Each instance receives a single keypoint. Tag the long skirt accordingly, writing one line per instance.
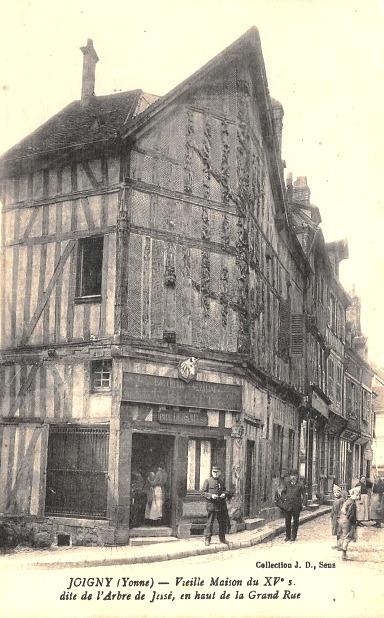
(377, 507)
(154, 508)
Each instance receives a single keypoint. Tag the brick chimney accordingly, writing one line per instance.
(289, 187)
(301, 192)
(89, 65)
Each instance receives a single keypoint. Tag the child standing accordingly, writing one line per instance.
(347, 519)
(337, 504)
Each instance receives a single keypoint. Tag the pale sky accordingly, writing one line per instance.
(324, 61)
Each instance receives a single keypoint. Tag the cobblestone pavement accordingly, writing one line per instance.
(305, 579)
(315, 539)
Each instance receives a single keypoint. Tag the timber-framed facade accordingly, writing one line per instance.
(154, 307)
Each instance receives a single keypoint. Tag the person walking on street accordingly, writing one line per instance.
(293, 496)
(215, 495)
(347, 519)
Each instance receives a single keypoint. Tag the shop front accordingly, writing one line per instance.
(349, 459)
(171, 433)
(313, 440)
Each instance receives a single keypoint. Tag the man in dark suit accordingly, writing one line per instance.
(293, 496)
(215, 495)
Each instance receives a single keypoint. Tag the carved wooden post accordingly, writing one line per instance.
(122, 245)
(170, 289)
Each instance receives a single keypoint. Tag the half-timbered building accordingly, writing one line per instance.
(152, 306)
(337, 421)
(326, 301)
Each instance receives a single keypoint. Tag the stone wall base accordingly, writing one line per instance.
(42, 532)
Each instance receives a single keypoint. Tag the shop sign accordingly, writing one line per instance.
(174, 392)
(182, 417)
(349, 435)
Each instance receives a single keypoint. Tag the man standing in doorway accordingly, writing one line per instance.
(215, 495)
(294, 497)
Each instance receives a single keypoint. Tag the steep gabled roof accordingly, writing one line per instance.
(77, 125)
(248, 47)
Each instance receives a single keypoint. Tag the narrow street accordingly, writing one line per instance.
(275, 578)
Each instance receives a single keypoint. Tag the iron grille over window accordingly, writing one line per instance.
(77, 471)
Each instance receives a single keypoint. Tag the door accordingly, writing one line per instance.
(151, 479)
(249, 477)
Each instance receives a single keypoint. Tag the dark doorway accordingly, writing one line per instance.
(310, 463)
(151, 480)
(249, 470)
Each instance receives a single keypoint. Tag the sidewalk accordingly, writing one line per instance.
(72, 557)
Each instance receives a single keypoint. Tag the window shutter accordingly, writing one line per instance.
(284, 328)
(297, 334)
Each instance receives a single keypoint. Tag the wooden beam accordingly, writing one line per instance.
(41, 240)
(23, 390)
(60, 391)
(29, 328)
(23, 479)
(90, 175)
(32, 219)
(87, 213)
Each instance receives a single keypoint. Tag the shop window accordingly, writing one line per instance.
(277, 450)
(200, 461)
(89, 268)
(77, 471)
(101, 375)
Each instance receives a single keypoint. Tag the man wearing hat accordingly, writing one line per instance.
(215, 495)
(293, 496)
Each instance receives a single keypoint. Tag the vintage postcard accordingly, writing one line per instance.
(191, 277)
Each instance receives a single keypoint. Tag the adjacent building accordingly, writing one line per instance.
(337, 425)
(378, 406)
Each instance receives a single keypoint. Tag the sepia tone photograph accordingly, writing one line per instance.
(191, 285)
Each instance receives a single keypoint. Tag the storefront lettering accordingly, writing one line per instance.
(182, 418)
(174, 392)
